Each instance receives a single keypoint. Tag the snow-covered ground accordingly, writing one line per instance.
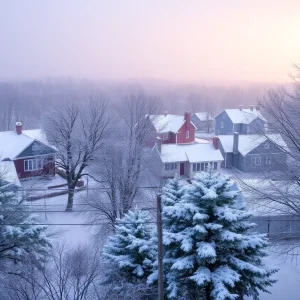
(288, 284)
(71, 230)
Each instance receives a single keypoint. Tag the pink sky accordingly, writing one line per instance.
(199, 41)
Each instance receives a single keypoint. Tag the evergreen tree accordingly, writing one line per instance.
(132, 248)
(172, 193)
(209, 251)
(20, 240)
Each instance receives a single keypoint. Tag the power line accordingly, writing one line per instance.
(83, 189)
(78, 204)
(73, 224)
(54, 211)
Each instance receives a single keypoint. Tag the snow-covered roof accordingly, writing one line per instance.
(11, 143)
(244, 116)
(203, 116)
(8, 173)
(248, 142)
(168, 123)
(192, 153)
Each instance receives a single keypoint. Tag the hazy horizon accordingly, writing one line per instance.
(230, 42)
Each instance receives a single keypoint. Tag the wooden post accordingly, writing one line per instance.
(160, 250)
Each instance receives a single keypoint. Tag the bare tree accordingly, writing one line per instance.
(127, 163)
(277, 189)
(68, 274)
(78, 132)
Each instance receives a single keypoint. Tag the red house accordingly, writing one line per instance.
(29, 150)
(175, 129)
(180, 151)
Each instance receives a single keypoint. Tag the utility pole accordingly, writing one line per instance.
(160, 250)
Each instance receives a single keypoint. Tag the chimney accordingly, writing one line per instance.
(187, 117)
(235, 143)
(166, 113)
(158, 144)
(19, 128)
(251, 107)
(240, 107)
(216, 142)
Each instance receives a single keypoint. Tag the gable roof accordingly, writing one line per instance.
(203, 116)
(193, 153)
(244, 116)
(168, 123)
(12, 144)
(248, 142)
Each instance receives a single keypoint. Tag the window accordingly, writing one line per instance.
(203, 166)
(170, 166)
(165, 136)
(32, 164)
(256, 159)
(187, 134)
(268, 160)
(222, 124)
(266, 146)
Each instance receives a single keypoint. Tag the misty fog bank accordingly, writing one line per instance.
(27, 100)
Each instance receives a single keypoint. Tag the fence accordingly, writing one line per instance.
(278, 227)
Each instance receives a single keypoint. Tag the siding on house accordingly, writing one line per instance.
(242, 126)
(256, 126)
(171, 138)
(36, 148)
(223, 124)
(202, 125)
(181, 135)
(277, 158)
(47, 169)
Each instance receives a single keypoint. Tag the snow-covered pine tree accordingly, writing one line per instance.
(172, 193)
(131, 248)
(20, 239)
(209, 251)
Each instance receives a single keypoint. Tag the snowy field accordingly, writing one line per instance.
(288, 285)
(73, 233)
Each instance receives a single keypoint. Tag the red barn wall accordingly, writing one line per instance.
(48, 169)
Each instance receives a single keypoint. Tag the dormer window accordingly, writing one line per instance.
(187, 134)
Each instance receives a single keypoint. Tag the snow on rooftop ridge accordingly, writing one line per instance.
(203, 116)
(192, 153)
(166, 123)
(244, 116)
(11, 143)
(249, 142)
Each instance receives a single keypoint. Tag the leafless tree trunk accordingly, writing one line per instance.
(127, 157)
(278, 192)
(78, 133)
(68, 274)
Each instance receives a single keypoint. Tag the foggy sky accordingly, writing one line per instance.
(200, 41)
